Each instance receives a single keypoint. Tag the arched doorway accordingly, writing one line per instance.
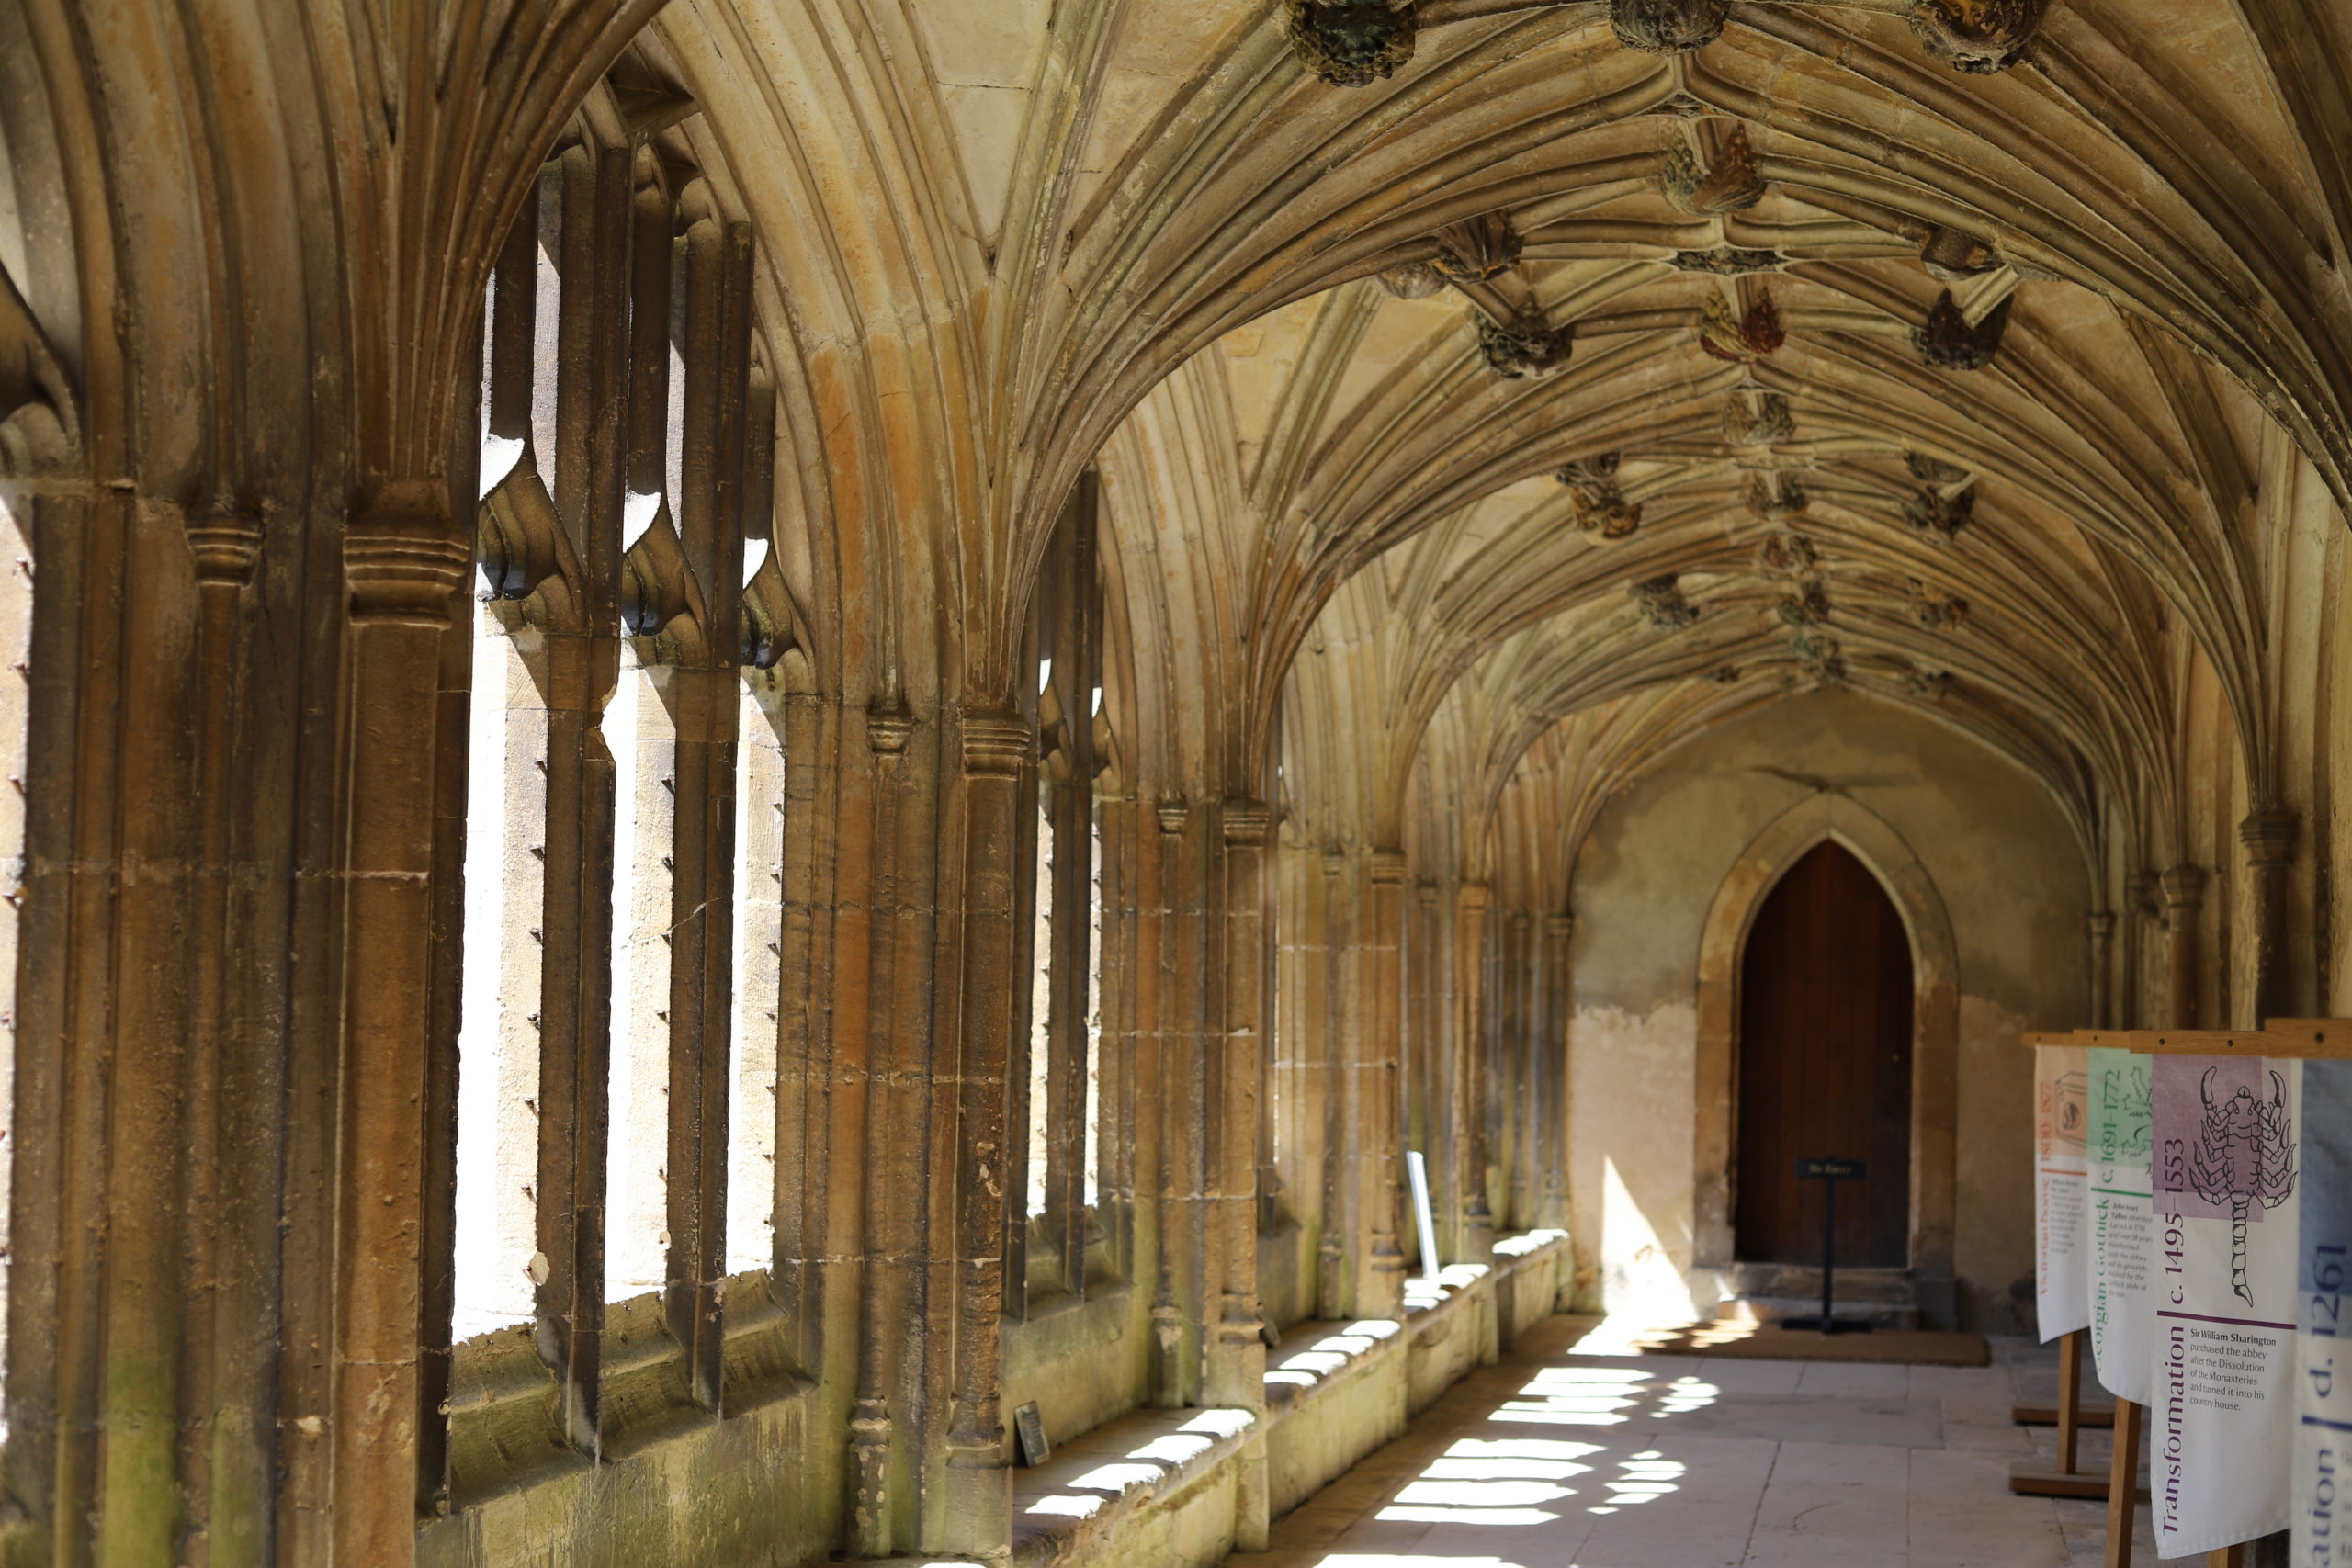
(1825, 1065)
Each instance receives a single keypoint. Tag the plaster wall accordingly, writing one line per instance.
(2011, 878)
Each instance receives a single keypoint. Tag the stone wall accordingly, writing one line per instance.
(1998, 861)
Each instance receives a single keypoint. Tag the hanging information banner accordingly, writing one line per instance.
(2123, 1222)
(2062, 1276)
(2323, 1435)
(2222, 1368)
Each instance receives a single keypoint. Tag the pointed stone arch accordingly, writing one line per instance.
(1935, 1024)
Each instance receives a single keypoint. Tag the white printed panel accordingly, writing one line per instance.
(2122, 1224)
(2061, 1190)
(2323, 1388)
(2221, 1429)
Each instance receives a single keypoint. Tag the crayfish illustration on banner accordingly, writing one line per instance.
(2246, 1153)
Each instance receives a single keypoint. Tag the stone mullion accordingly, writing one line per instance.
(581, 784)
(58, 1112)
(1021, 977)
(1470, 1073)
(709, 710)
(813, 860)
(438, 1241)
(1237, 1372)
(1076, 671)
(1125, 985)
(1553, 1210)
(437, 1304)
(575, 1029)
(1068, 982)
(1380, 1286)
(701, 973)
(404, 559)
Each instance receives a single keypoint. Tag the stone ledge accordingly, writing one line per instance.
(1314, 1352)
(1169, 1488)
(1065, 1508)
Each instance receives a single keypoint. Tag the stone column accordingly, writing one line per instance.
(227, 1438)
(1189, 1014)
(977, 1497)
(2142, 906)
(1422, 993)
(1523, 1027)
(403, 560)
(1236, 1370)
(2269, 839)
(1476, 1243)
(2100, 925)
(2184, 890)
(1553, 1208)
(876, 1116)
(1330, 1033)
(1380, 1286)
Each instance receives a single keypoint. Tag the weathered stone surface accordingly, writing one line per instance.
(743, 733)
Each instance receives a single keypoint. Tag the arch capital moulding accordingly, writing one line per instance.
(1935, 1025)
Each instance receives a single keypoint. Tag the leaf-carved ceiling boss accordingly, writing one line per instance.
(1351, 43)
(1601, 507)
(1977, 36)
(1731, 184)
(1526, 345)
(1668, 26)
(1953, 343)
(1741, 340)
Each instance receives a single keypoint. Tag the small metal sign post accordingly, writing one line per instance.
(1829, 1173)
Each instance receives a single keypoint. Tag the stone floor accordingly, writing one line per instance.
(1562, 1459)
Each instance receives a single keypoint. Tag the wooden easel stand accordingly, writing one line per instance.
(2066, 1480)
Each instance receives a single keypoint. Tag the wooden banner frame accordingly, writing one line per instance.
(2305, 1039)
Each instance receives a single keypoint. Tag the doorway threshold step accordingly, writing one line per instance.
(1779, 1309)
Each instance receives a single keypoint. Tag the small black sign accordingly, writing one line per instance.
(1030, 1428)
(1831, 1170)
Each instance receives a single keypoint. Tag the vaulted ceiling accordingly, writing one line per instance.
(1463, 369)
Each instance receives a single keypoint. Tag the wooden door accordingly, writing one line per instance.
(1825, 1065)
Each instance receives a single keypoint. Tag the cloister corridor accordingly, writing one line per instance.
(1563, 1456)
(1037, 784)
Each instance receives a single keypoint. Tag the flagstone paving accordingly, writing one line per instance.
(1557, 1459)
